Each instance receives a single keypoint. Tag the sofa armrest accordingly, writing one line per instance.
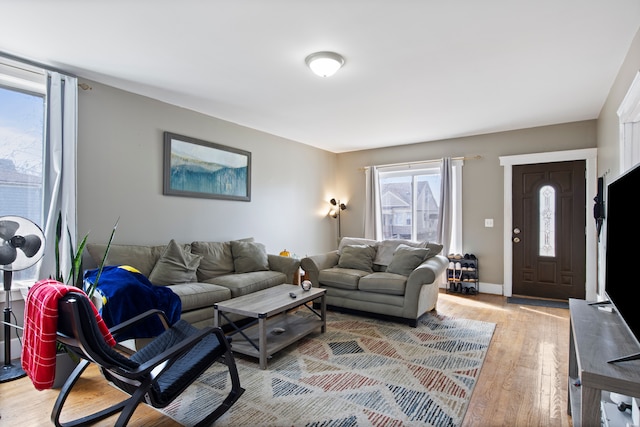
(426, 273)
(284, 264)
(313, 264)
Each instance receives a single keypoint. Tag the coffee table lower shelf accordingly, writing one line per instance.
(295, 328)
(274, 326)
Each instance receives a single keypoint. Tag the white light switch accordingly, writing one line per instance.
(488, 222)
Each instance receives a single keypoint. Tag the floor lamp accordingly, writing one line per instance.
(335, 212)
(21, 246)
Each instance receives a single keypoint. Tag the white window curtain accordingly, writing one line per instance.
(60, 168)
(446, 214)
(372, 221)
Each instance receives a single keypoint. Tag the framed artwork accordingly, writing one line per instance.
(197, 168)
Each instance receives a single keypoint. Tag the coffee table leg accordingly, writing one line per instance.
(262, 343)
(323, 312)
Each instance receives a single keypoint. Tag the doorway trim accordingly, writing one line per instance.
(587, 154)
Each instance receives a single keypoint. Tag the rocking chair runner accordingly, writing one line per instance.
(156, 374)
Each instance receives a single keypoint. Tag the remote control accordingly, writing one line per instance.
(292, 295)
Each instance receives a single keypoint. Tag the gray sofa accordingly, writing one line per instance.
(201, 273)
(392, 278)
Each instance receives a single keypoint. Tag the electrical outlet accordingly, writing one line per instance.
(488, 222)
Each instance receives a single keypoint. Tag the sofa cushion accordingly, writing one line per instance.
(357, 257)
(350, 241)
(246, 283)
(216, 259)
(405, 259)
(197, 295)
(143, 258)
(175, 266)
(249, 257)
(383, 283)
(342, 278)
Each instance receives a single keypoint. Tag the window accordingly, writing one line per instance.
(410, 202)
(22, 112)
(547, 221)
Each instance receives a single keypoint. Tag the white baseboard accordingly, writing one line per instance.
(491, 288)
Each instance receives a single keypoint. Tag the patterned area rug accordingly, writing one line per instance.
(361, 372)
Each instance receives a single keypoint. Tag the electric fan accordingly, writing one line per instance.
(21, 246)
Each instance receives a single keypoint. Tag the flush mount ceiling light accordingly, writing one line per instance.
(324, 64)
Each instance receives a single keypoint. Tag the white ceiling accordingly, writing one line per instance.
(415, 71)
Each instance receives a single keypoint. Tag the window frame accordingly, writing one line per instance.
(29, 80)
(430, 166)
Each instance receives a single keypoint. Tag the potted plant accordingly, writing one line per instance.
(75, 256)
(66, 361)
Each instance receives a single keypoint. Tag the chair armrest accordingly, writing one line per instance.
(284, 264)
(426, 273)
(313, 264)
(137, 319)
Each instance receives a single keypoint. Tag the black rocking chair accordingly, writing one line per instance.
(155, 374)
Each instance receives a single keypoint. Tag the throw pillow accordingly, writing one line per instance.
(434, 249)
(249, 256)
(357, 257)
(175, 266)
(406, 259)
(353, 241)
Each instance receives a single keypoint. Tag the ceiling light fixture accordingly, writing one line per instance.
(324, 64)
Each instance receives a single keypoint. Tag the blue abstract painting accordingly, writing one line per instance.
(195, 168)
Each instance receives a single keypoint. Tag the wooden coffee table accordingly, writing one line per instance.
(274, 327)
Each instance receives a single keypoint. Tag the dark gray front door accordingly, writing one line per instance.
(548, 235)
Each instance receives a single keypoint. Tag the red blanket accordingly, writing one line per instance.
(40, 327)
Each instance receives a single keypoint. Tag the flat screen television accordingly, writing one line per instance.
(622, 285)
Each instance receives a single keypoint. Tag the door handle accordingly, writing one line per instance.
(516, 240)
(516, 230)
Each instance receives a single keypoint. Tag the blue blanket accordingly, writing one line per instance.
(126, 293)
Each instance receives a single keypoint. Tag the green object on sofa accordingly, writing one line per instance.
(215, 277)
(402, 282)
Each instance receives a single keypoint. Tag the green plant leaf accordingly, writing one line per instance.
(94, 285)
(58, 273)
(76, 265)
(72, 256)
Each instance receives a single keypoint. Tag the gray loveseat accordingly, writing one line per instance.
(201, 273)
(393, 278)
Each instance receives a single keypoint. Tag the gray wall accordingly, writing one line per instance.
(120, 159)
(482, 180)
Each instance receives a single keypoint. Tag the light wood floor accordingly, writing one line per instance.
(523, 380)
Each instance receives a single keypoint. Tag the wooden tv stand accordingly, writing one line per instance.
(595, 338)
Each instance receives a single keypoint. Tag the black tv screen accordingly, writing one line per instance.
(622, 287)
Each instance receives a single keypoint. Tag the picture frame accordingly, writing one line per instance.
(196, 168)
